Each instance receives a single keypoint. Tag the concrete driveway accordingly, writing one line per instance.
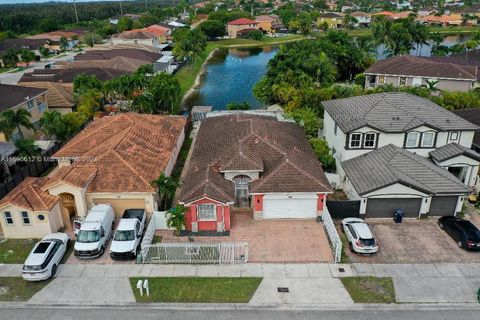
(292, 241)
(413, 241)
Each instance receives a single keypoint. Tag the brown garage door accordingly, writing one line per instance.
(119, 205)
(384, 208)
(443, 206)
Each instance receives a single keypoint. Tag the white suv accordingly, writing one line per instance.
(43, 260)
(359, 236)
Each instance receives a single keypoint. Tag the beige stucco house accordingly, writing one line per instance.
(17, 97)
(114, 160)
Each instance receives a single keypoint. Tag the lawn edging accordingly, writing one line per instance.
(370, 289)
(197, 289)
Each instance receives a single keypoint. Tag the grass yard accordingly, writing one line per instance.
(17, 289)
(2, 69)
(344, 258)
(238, 42)
(198, 290)
(370, 289)
(15, 250)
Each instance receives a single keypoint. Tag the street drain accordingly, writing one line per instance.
(282, 289)
(341, 269)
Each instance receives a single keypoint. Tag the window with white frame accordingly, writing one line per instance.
(412, 139)
(30, 104)
(41, 107)
(428, 138)
(402, 81)
(25, 218)
(454, 136)
(355, 140)
(8, 217)
(369, 140)
(206, 212)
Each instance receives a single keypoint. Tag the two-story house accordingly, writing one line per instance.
(240, 26)
(393, 146)
(17, 97)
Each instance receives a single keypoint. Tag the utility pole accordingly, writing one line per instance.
(75, 9)
(146, 5)
(121, 8)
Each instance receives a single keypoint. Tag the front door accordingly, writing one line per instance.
(241, 195)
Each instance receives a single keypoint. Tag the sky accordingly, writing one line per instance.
(39, 1)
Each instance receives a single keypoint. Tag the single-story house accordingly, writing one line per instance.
(261, 162)
(113, 160)
(391, 178)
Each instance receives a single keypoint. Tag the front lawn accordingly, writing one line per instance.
(198, 290)
(239, 42)
(15, 250)
(370, 289)
(17, 289)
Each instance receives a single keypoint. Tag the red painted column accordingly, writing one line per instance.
(320, 203)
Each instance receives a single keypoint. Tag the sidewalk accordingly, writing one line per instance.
(309, 284)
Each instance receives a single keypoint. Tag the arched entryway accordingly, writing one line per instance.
(67, 205)
(241, 191)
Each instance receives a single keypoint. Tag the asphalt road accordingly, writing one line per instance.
(120, 313)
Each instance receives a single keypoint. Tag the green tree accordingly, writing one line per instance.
(44, 52)
(349, 21)
(26, 55)
(319, 4)
(166, 188)
(16, 119)
(85, 82)
(323, 153)
(124, 24)
(308, 119)
(53, 125)
(176, 218)
(189, 44)
(255, 35)
(63, 43)
(212, 29)
(91, 38)
(27, 148)
(161, 95)
(10, 58)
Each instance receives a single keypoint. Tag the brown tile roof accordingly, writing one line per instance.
(59, 95)
(125, 64)
(132, 53)
(30, 195)
(77, 176)
(67, 74)
(423, 67)
(280, 150)
(128, 150)
(11, 96)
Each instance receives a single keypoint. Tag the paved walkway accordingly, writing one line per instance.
(309, 284)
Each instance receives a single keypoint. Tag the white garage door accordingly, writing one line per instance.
(296, 207)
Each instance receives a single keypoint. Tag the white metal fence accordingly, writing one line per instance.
(333, 235)
(196, 253)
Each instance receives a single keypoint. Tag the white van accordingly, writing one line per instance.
(95, 231)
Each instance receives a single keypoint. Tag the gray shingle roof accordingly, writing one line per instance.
(392, 112)
(452, 150)
(391, 164)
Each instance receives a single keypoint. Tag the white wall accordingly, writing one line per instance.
(335, 141)
(173, 159)
(463, 161)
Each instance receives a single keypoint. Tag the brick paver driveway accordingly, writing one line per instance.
(413, 241)
(293, 241)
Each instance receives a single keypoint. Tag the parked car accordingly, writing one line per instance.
(462, 231)
(128, 236)
(95, 231)
(359, 236)
(43, 260)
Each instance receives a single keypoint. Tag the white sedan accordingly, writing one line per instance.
(359, 236)
(43, 260)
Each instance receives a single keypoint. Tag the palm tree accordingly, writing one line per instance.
(27, 148)
(53, 125)
(17, 119)
(176, 218)
(166, 188)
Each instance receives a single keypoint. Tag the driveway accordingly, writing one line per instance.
(293, 241)
(413, 241)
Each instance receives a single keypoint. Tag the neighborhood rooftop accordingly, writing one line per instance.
(407, 65)
(236, 142)
(12, 96)
(453, 150)
(392, 112)
(390, 164)
(29, 194)
(122, 153)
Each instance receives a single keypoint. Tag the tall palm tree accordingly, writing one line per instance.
(53, 125)
(166, 188)
(17, 119)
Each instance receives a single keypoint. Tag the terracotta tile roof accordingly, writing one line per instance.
(407, 65)
(264, 18)
(67, 74)
(77, 176)
(58, 96)
(128, 150)
(30, 195)
(242, 21)
(250, 142)
(110, 53)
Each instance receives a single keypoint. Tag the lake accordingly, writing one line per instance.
(230, 77)
(232, 73)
